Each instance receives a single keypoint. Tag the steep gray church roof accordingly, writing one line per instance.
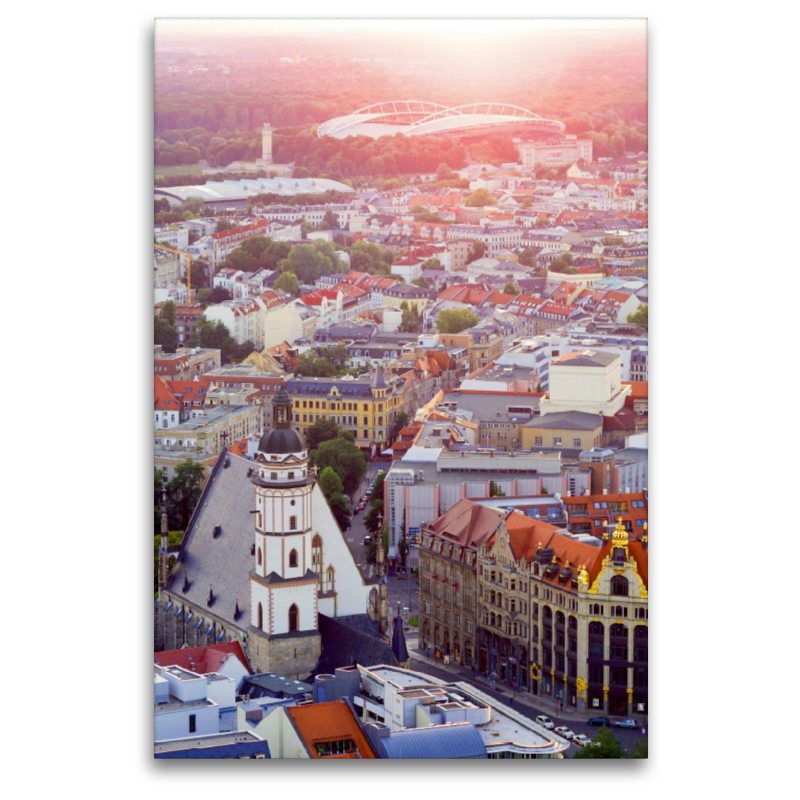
(223, 562)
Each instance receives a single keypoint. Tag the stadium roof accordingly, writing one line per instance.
(420, 118)
(232, 191)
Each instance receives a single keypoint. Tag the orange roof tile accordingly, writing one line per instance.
(329, 722)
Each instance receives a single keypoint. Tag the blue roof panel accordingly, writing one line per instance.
(456, 740)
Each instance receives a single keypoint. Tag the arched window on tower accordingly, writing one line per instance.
(293, 558)
(293, 617)
(329, 584)
(259, 556)
(260, 617)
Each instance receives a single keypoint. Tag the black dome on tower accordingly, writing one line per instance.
(281, 439)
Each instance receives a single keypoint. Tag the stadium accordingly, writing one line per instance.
(461, 123)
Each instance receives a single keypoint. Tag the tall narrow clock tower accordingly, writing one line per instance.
(284, 634)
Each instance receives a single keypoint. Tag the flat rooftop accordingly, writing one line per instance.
(214, 414)
(210, 740)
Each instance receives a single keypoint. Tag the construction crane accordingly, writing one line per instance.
(188, 267)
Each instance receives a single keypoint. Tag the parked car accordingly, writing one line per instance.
(545, 722)
(598, 721)
(628, 722)
(581, 739)
(565, 732)
(367, 539)
(356, 510)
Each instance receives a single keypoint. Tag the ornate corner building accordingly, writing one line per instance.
(553, 615)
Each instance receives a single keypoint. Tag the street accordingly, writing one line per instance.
(523, 702)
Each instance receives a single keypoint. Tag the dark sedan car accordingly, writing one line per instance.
(598, 721)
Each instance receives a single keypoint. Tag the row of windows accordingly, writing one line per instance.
(294, 617)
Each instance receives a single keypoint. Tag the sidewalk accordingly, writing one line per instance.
(529, 704)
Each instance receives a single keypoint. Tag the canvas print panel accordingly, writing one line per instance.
(400, 389)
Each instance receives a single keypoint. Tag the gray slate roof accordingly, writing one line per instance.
(575, 420)
(592, 358)
(224, 562)
(346, 640)
(455, 740)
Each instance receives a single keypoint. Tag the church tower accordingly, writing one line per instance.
(283, 585)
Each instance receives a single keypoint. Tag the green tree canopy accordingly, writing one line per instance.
(432, 263)
(183, 492)
(310, 365)
(399, 422)
(367, 257)
(175, 537)
(321, 431)
(411, 318)
(527, 258)
(371, 517)
(639, 317)
(510, 288)
(168, 311)
(605, 745)
(342, 455)
(340, 508)
(330, 482)
(240, 259)
(455, 320)
(309, 262)
(288, 283)
(428, 216)
(562, 266)
(164, 334)
(476, 250)
(480, 197)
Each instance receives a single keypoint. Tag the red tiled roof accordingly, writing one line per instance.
(204, 659)
(315, 298)
(162, 396)
(638, 389)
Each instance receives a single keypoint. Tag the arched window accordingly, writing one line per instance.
(293, 617)
(619, 585)
(596, 629)
(619, 630)
(559, 617)
(293, 558)
(640, 632)
(535, 569)
(260, 617)
(572, 623)
(316, 556)
(259, 556)
(547, 613)
(330, 582)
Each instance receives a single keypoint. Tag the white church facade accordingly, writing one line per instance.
(262, 557)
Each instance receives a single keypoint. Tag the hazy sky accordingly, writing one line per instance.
(442, 27)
